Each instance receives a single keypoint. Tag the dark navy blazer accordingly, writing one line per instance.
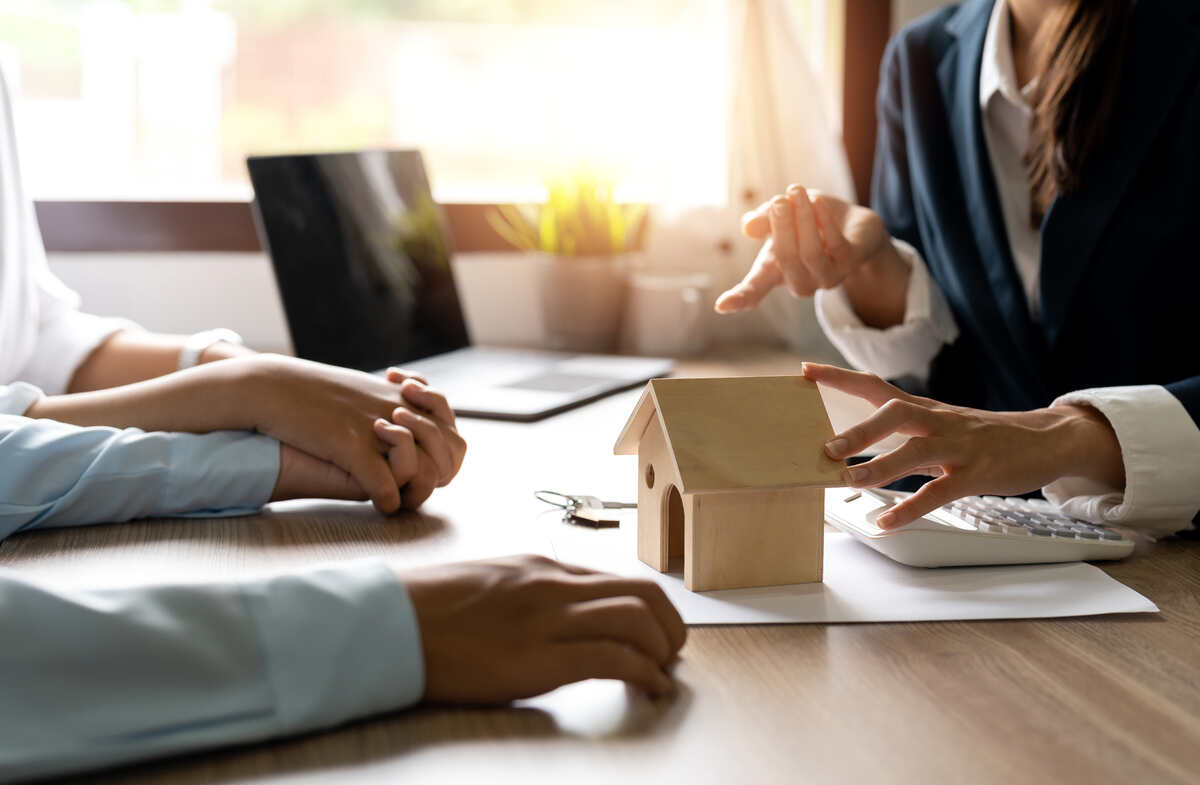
(1120, 263)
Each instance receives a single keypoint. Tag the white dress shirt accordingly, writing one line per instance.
(43, 335)
(1160, 443)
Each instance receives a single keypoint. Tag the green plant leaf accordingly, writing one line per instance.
(579, 218)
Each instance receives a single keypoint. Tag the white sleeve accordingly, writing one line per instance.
(1160, 447)
(16, 398)
(906, 349)
(65, 335)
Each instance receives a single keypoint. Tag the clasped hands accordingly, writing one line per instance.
(351, 435)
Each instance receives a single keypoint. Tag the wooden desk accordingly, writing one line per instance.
(1106, 699)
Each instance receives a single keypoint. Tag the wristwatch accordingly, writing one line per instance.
(194, 346)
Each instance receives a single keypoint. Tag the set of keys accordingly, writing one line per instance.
(584, 510)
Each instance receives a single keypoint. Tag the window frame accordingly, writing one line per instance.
(100, 226)
(201, 227)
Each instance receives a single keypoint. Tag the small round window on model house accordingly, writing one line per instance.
(650, 476)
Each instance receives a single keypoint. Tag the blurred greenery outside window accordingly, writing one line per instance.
(162, 99)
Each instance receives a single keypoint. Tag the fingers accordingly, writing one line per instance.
(431, 439)
(764, 276)
(834, 241)
(784, 233)
(755, 223)
(782, 221)
(611, 660)
(931, 495)
(592, 587)
(625, 619)
(434, 404)
(895, 416)
(810, 252)
(416, 392)
(402, 450)
(420, 486)
(372, 473)
(916, 456)
(862, 385)
(398, 375)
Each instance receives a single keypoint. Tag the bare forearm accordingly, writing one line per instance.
(199, 400)
(878, 289)
(129, 356)
(1093, 449)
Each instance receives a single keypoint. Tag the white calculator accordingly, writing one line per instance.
(974, 530)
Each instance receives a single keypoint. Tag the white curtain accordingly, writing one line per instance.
(778, 133)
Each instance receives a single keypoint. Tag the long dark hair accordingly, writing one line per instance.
(1081, 49)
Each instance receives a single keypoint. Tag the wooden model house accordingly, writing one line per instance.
(731, 475)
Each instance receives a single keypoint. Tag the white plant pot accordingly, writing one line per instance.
(583, 300)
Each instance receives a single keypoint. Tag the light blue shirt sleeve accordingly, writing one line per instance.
(62, 475)
(90, 680)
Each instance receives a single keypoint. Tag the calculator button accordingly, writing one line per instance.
(1088, 534)
(1109, 535)
(1040, 531)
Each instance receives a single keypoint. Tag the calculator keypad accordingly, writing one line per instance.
(1024, 518)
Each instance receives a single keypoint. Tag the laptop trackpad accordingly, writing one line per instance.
(558, 381)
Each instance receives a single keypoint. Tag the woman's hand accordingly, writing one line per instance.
(301, 476)
(967, 451)
(496, 631)
(396, 439)
(427, 415)
(328, 413)
(424, 443)
(815, 241)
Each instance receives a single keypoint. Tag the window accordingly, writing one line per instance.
(162, 99)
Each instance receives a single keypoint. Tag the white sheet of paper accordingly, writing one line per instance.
(863, 586)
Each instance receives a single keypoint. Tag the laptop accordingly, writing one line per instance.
(362, 258)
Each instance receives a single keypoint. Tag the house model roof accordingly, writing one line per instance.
(756, 432)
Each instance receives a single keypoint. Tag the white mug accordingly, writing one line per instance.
(667, 314)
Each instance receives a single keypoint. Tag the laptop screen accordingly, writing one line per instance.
(361, 255)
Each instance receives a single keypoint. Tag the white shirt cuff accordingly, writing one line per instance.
(64, 341)
(16, 398)
(906, 349)
(1160, 447)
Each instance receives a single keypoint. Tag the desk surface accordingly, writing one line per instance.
(1101, 699)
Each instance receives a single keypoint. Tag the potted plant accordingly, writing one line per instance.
(584, 239)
